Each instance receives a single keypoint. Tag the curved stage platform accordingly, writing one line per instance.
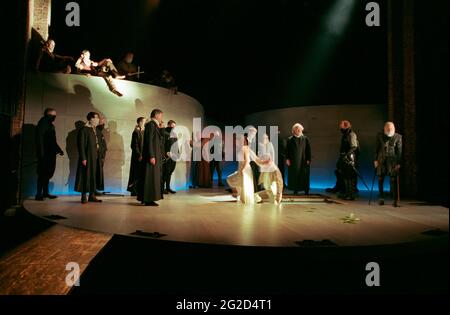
(211, 216)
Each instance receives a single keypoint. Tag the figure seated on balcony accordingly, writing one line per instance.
(48, 61)
(127, 68)
(104, 68)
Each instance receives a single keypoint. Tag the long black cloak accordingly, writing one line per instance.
(151, 188)
(298, 152)
(87, 150)
(46, 147)
(137, 143)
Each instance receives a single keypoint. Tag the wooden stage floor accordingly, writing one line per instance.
(212, 216)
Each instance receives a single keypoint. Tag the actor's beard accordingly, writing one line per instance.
(389, 134)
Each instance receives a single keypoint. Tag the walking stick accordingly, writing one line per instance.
(398, 191)
(352, 164)
(373, 183)
(360, 177)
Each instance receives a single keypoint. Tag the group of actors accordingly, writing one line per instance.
(49, 61)
(257, 178)
(387, 160)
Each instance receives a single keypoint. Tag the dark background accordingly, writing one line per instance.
(235, 57)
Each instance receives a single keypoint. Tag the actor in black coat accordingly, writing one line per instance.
(46, 150)
(102, 148)
(298, 159)
(170, 156)
(151, 189)
(348, 159)
(137, 143)
(88, 146)
(216, 164)
(387, 160)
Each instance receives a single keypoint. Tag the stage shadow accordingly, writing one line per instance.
(140, 107)
(115, 157)
(29, 162)
(72, 154)
(136, 204)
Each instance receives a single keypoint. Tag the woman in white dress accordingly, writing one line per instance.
(242, 179)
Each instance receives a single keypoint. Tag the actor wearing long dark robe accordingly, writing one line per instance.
(170, 163)
(150, 190)
(102, 148)
(46, 150)
(87, 144)
(196, 154)
(137, 143)
(388, 156)
(298, 159)
(216, 164)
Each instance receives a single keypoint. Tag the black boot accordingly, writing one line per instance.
(169, 177)
(393, 182)
(349, 190)
(92, 198)
(45, 188)
(332, 190)
(39, 186)
(381, 190)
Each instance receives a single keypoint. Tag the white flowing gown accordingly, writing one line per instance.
(242, 179)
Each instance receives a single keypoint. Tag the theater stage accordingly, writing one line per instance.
(212, 216)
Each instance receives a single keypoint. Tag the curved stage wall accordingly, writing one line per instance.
(73, 96)
(321, 127)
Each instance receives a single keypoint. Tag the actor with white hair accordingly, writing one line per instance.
(298, 160)
(388, 155)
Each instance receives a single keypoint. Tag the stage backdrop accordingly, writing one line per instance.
(321, 127)
(73, 96)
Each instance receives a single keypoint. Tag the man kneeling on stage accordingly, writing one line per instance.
(387, 160)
